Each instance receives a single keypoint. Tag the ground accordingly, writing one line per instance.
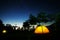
(28, 35)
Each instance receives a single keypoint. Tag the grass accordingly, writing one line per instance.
(27, 35)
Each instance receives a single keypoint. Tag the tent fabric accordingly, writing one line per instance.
(41, 30)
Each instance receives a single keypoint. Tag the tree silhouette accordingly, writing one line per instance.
(52, 16)
(1, 23)
(57, 19)
(14, 27)
(26, 25)
(32, 20)
(42, 17)
(9, 26)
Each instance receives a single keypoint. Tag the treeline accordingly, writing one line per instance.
(36, 20)
(42, 17)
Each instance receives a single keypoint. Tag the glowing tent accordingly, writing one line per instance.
(41, 30)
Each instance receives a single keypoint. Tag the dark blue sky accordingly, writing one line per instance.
(17, 11)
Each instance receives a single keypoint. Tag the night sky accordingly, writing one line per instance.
(17, 11)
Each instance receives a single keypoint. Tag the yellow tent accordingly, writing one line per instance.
(41, 30)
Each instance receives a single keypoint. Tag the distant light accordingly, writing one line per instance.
(41, 30)
(4, 31)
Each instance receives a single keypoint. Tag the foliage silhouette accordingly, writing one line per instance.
(41, 17)
(26, 25)
(1, 23)
(57, 19)
(32, 19)
(9, 27)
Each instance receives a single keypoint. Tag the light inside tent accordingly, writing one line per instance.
(41, 30)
